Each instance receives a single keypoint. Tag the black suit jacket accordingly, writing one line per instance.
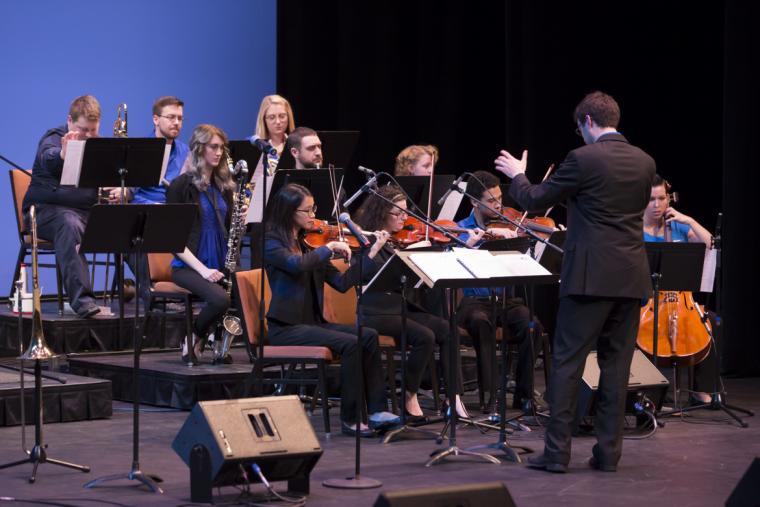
(288, 274)
(606, 186)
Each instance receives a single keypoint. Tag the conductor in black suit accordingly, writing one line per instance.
(606, 186)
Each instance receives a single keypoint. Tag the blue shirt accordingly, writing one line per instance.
(157, 194)
(680, 234)
(472, 223)
(212, 244)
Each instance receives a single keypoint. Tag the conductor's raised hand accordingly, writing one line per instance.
(511, 166)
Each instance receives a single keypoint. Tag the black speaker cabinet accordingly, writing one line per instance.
(466, 495)
(220, 440)
(644, 379)
(747, 491)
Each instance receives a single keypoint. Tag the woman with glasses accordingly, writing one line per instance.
(382, 310)
(274, 122)
(296, 277)
(206, 182)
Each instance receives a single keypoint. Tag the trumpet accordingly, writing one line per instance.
(120, 125)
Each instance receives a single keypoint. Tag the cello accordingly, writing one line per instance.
(682, 338)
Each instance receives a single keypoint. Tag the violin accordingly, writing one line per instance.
(542, 227)
(322, 233)
(414, 231)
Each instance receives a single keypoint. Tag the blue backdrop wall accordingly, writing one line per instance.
(219, 57)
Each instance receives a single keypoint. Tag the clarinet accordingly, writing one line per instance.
(231, 324)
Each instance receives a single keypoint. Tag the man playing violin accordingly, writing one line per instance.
(475, 309)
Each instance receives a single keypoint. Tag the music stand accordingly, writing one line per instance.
(392, 276)
(680, 266)
(143, 228)
(340, 145)
(458, 283)
(316, 180)
(244, 150)
(418, 190)
(117, 162)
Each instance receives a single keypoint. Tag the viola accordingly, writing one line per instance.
(681, 337)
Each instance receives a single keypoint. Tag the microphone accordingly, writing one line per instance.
(454, 186)
(345, 219)
(263, 145)
(372, 181)
(366, 170)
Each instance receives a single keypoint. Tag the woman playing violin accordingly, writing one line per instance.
(382, 310)
(297, 276)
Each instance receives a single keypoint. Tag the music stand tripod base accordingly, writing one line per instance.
(352, 483)
(134, 475)
(453, 450)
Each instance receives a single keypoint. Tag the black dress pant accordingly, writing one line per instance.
(423, 331)
(610, 326)
(341, 340)
(475, 315)
(216, 298)
(65, 227)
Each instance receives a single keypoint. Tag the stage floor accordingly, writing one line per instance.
(690, 463)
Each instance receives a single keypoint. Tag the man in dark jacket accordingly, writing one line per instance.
(606, 186)
(62, 211)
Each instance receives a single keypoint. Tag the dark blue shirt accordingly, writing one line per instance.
(212, 244)
(157, 194)
(45, 187)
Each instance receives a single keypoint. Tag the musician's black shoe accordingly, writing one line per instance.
(597, 465)
(541, 462)
(227, 359)
(88, 311)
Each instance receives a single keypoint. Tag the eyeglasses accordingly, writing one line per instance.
(309, 211)
(398, 213)
(172, 117)
(215, 147)
(273, 117)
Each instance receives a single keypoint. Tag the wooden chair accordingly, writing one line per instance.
(340, 308)
(20, 181)
(164, 291)
(249, 286)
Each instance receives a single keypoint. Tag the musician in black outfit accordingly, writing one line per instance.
(207, 183)
(297, 276)
(382, 310)
(606, 186)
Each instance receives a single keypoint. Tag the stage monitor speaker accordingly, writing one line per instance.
(466, 495)
(644, 379)
(747, 491)
(221, 439)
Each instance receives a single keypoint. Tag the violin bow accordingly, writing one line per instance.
(335, 194)
(430, 195)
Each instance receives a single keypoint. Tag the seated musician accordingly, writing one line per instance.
(297, 276)
(475, 309)
(416, 160)
(62, 212)
(382, 310)
(306, 148)
(207, 183)
(658, 216)
(274, 122)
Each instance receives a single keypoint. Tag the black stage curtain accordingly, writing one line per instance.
(477, 77)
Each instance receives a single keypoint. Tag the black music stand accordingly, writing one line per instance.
(338, 148)
(143, 228)
(244, 150)
(392, 276)
(121, 162)
(316, 180)
(458, 283)
(678, 267)
(418, 190)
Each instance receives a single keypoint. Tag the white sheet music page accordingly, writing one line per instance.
(451, 204)
(164, 163)
(72, 164)
(440, 265)
(255, 211)
(708, 270)
(484, 264)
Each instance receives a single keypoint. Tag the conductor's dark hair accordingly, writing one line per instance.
(602, 108)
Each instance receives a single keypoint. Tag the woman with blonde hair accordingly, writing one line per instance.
(206, 182)
(275, 121)
(416, 160)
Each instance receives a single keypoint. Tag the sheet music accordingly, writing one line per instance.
(164, 164)
(483, 264)
(708, 270)
(72, 164)
(438, 265)
(255, 211)
(451, 204)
